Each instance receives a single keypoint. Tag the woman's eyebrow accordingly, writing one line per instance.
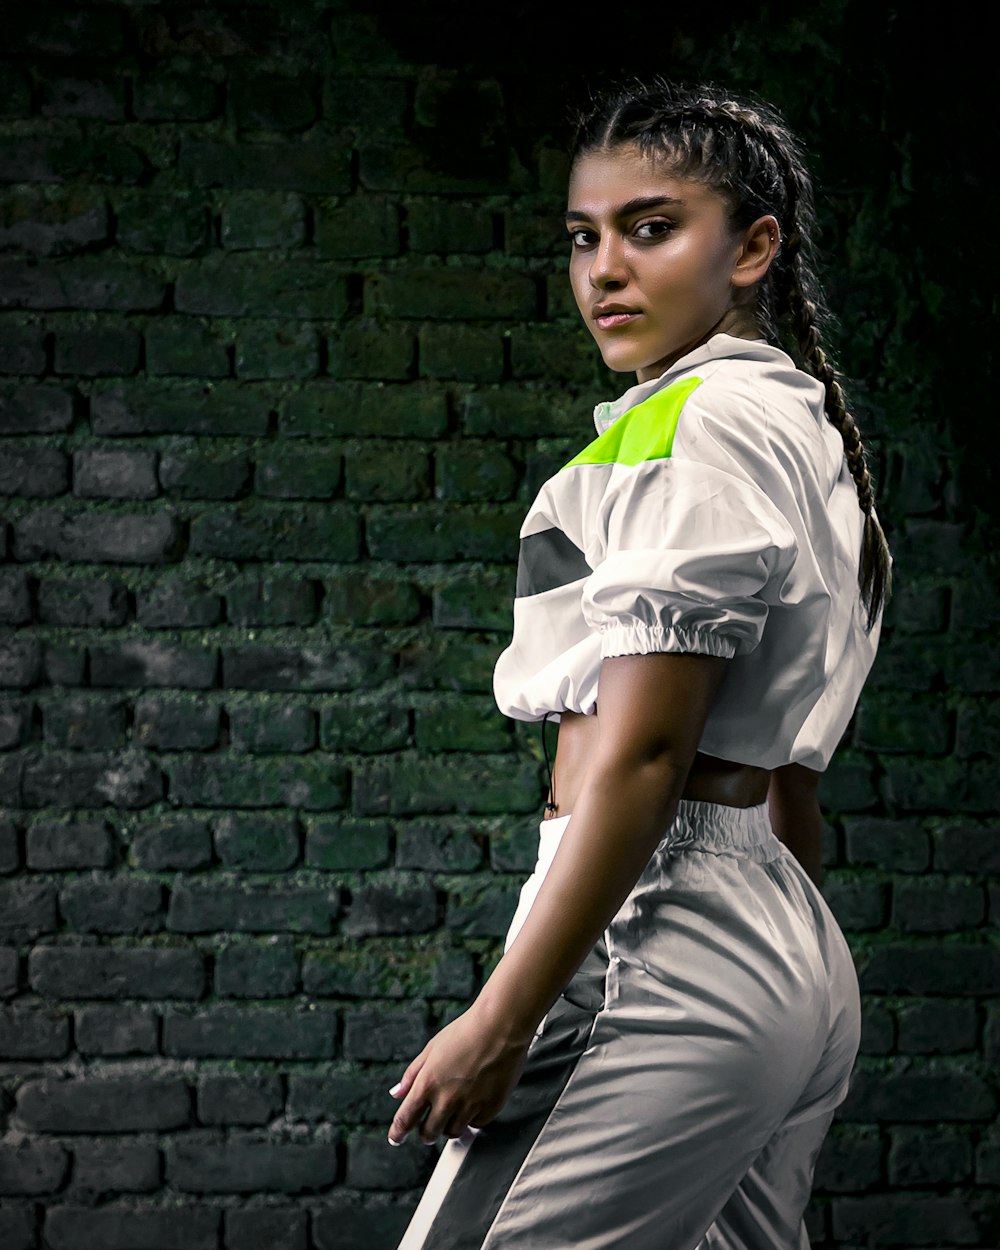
(632, 206)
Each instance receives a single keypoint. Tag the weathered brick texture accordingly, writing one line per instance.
(286, 346)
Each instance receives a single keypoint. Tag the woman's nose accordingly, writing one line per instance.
(607, 269)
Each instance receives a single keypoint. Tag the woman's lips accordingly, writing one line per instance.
(611, 321)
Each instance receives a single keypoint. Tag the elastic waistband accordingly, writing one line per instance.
(712, 827)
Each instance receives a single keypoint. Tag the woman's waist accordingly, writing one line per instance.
(710, 779)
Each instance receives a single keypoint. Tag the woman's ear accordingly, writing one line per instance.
(761, 241)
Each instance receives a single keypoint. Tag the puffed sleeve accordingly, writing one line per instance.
(688, 557)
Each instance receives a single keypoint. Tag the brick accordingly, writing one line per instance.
(100, 1166)
(83, 1104)
(878, 1028)
(112, 906)
(238, 908)
(901, 722)
(344, 1093)
(258, 842)
(118, 1031)
(273, 600)
(259, 666)
(347, 844)
(391, 166)
(263, 728)
(917, 608)
(914, 783)
(80, 282)
(27, 909)
(276, 350)
(932, 968)
(378, 969)
(466, 353)
(847, 785)
(447, 227)
(218, 408)
(938, 1027)
(22, 348)
(437, 847)
(893, 845)
(917, 663)
(175, 725)
(177, 223)
(90, 97)
(259, 530)
(20, 662)
(384, 1033)
(243, 286)
(359, 226)
(858, 904)
(310, 782)
(967, 847)
(369, 1165)
(66, 157)
(931, 1096)
(193, 475)
(33, 1167)
(239, 1032)
(33, 1033)
(17, 1224)
(937, 906)
(461, 723)
(441, 535)
(28, 409)
(257, 970)
(78, 844)
(121, 1227)
(477, 783)
(261, 219)
(99, 537)
(971, 667)
(371, 101)
(314, 167)
(850, 1160)
(177, 602)
(272, 102)
(82, 601)
(975, 605)
(170, 96)
(371, 600)
(172, 841)
(379, 471)
(455, 663)
(392, 903)
(363, 1220)
(927, 546)
(248, 1100)
(15, 598)
(34, 472)
(186, 347)
(367, 349)
(978, 729)
(909, 1219)
(370, 727)
(474, 471)
(330, 409)
(270, 1228)
(553, 354)
(988, 1160)
(9, 971)
(446, 293)
(478, 908)
(14, 727)
(298, 473)
(79, 779)
(100, 474)
(116, 972)
(97, 351)
(514, 412)
(480, 601)
(52, 226)
(929, 1156)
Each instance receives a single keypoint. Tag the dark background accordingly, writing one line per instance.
(286, 345)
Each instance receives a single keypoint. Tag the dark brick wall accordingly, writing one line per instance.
(286, 347)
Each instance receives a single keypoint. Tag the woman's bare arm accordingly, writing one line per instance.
(796, 817)
(652, 713)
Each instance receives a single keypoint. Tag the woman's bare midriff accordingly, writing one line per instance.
(710, 780)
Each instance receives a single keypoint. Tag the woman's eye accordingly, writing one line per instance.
(581, 238)
(653, 229)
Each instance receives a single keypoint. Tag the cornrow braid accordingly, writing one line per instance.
(744, 151)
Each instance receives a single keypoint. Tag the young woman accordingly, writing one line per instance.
(656, 1059)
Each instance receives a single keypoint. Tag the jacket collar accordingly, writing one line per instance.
(718, 347)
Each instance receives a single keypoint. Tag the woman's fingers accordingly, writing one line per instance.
(408, 1114)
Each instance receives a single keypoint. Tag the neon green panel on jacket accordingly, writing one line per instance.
(645, 432)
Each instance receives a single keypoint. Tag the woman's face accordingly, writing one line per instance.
(653, 260)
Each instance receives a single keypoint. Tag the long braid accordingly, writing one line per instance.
(747, 154)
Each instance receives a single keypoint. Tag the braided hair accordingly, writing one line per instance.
(744, 151)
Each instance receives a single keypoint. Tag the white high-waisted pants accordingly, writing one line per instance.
(676, 1095)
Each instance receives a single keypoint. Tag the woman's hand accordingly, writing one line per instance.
(462, 1077)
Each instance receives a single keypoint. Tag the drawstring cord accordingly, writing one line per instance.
(550, 794)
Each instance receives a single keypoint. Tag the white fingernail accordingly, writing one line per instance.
(396, 1088)
(395, 1143)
